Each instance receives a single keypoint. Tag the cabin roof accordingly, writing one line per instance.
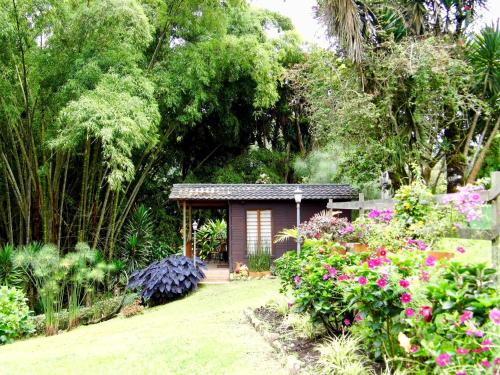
(261, 191)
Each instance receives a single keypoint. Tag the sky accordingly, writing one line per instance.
(301, 14)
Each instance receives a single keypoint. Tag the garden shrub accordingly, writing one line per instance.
(312, 278)
(14, 315)
(212, 237)
(167, 279)
(459, 331)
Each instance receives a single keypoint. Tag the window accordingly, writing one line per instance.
(259, 236)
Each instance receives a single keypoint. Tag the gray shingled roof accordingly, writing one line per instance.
(260, 191)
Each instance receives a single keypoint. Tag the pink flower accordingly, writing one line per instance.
(443, 359)
(382, 283)
(406, 298)
(474, 332)
(413, 348)
(486, 363)
(426, 312)
(358, 317)
(290, 304)
(404, 283)
(362, 280)
(343, 277)
(297, 280)
(497, 361)
(347, 322)
(460, 249)
(466, 315)
(430, 261)
(382, 252)
(373, 214)
(424, 276)
(460, 373)
(466, 8)
(495, 316)
(462, 351)
(409, 312)
(486, 345)
(326, 276)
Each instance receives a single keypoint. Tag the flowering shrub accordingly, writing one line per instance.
(456, 328)
(467, 202)
(380, 291)
(326, 225)
(315, 279)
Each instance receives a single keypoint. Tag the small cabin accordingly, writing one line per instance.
(255, 213)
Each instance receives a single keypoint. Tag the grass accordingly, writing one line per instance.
(204, 333)
(476, 251)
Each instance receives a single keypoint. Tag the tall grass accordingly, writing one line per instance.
(260, 260)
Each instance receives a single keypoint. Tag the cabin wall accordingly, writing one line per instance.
(283, 216)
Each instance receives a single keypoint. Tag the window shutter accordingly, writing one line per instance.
(259, 231)
(252, 232)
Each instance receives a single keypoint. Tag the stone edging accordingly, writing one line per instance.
(290, 362)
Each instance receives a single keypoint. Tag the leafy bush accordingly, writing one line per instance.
(167, 279)
(212, 237)
(14, 315)
(326, 225)
(259, 261)
(460, 326)
(315, 280)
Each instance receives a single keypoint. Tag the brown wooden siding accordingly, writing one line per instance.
(283, 216)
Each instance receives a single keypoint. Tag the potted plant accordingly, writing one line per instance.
(259, 263)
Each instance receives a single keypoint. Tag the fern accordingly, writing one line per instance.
(10, 273)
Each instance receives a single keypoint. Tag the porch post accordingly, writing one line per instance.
(184, 240)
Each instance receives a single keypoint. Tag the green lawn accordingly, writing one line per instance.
(204, 333)
(476, 251)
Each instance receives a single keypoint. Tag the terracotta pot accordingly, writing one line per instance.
(360, 248)
(440, 255)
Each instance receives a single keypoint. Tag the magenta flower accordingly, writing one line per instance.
(362, 280)
(486, 363)
(430, 261)
(413, 348)
(343, 277)
(373, 214)
(382, 252)
(326, 276)
(460, 373)
(426, 312)
(462, 351)
(382, 283)
(497, 361)
(404, 283)
(405, 298)
(347, 322)
(486, 345)
(460, 249)
(495, 316)
(297, 280)
(474, 332)
(424, 276)
(466, 315)
(409, 312)
(443, 359)
(358, 317)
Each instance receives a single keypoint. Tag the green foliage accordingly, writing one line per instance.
(10, 274)
(310, 277)
(259, 261)
(212, 237)
(136, 249)
(459, 290)
(342, 355)
(14, 315)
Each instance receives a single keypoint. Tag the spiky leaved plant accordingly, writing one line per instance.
(10, 274)
(136, 248)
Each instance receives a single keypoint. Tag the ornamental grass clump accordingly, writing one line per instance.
(167, 279)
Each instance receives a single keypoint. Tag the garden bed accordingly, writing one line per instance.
(304, 348)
